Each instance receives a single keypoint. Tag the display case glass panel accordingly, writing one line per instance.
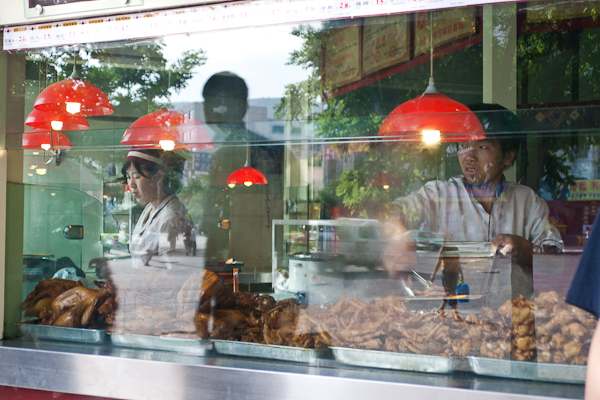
(351, 240)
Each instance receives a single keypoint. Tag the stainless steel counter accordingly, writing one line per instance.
(108, 371)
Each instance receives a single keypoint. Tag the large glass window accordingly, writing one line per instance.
(303, 204)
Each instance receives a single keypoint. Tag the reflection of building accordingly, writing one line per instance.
(586, 167)
(259, 118)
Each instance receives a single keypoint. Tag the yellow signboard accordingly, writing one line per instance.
(385, 42)
(342, 56)
(448, 25)
(585, 190)
(546, 10)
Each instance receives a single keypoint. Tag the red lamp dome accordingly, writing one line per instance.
(43, 139)
(247, 176)
(167, 125)
(433, 111)
(45, 120)
(73, 96)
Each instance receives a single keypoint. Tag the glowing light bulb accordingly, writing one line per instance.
(41, 171)
(73, 108)
(32, 166)
(431, 136)
(52, 194)
(167, 145)
(30, 174)
(45, 146)
(231, 185)
(386, 187)
(35, 153)
(56, 125)
(248, 183)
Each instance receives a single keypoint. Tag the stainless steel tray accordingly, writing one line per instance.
(49, 332)
(528, 370)
(192, 347)
(270, 351)
(392, 360)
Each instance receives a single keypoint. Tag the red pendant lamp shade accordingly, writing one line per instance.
(46, 140)
(433, 111)
(73, 96)
(57, 122)
(167, 125)
(247, 176)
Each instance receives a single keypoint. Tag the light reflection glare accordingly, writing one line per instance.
(431, 136)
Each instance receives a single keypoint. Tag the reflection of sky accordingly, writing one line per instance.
(258, 55)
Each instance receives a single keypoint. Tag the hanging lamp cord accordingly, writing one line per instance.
(431, 87)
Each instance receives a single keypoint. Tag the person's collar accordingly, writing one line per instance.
(486, 190)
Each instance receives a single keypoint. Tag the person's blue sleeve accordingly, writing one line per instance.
(585, 287)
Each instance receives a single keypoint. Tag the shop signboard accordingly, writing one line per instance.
(38, 8)
(342, 56)
(385, 42)
(584, 190)
(545, 10)
(448, 25)
(202, 162)
(204, 18)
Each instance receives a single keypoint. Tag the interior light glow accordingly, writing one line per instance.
(73, 108)
(45, 146)
(56, 125)
(41, 171)
(231, 185)
(248, 183)
(431, 136)
(167, 145)
(36, 153)
(386, 187)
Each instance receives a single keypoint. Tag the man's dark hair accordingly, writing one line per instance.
(500, 124)
(225, 98)
(226, 82)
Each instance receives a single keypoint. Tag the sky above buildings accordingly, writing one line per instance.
(258, 55)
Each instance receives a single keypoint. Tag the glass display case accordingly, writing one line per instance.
(399, 198)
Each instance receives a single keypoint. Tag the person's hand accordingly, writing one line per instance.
(399, 254)
(517, 247)
(431, 278)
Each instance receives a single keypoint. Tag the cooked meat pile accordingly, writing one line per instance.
(65, 303)
(547, 330)
(563, 331)
(204, 308)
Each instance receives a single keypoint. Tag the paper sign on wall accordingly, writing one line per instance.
(448, 25)
(342, 56)
(385, 42)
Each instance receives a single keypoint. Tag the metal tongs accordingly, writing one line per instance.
(422, 280)
(408, 290)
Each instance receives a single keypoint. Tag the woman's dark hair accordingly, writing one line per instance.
(172, 165)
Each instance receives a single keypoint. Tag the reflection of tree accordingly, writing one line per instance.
(138, 79)
(360, 112)
(560, 67)
(301, 97)
(193, 196)
(401, 166)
